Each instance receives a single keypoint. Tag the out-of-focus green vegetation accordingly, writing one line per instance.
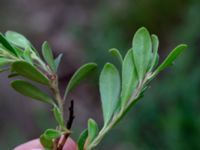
(168, 118)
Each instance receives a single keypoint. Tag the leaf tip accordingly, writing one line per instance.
(154, 36)
(142, 29)
(108, 64)
(184, 46)
(111, 50)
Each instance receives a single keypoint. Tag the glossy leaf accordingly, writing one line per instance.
(46, 143)
(109, 90)
(58, 116)
(171, 57)
(57, 61)
(155, 44)
(48, 56)
(20, 41)
(115, 52)
(79, 75)
(17, 39)
(27, 89)
(142, 51)
(7, 45)
(92, 130)
(52, 134)
(82, 139)
(27, 70)
(129, 77)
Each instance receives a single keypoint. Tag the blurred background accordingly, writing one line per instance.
(167, 118)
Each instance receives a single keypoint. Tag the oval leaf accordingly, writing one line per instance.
(79, 75)
(46, 143)
(115, 52)
(109, 90)
(82, 139)
(92, 130)
(48, 56)
(171, 57)
(129, 77)
(141, 47)
(17, 39)
(27, 70)
(27, 89)
(52, 134)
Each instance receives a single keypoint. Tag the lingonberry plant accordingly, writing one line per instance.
(119, 91)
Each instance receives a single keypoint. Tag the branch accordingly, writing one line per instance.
(69, 125)
(71, 115)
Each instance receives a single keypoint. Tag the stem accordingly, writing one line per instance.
(56, 92)
(71, 115)
(63, 141)
(104, 130)
(132, 100)
(69, 125)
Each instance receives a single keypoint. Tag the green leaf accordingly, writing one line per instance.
(82, 139)
(157, 61)
(115, 52)
(141, 47)
(129, 78)
(52, 134)
(19, 51)
(109, 90)
(79, 75)
(57, 61)
(92, 130)
(155, 44)
(58, 116)
(27, 70)
(27, 55)
(48, 56)
(2, 48)
(171, 57)
(17, 39)
(4, 61)
(27, 89)
(46, 143)
(7, 45)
